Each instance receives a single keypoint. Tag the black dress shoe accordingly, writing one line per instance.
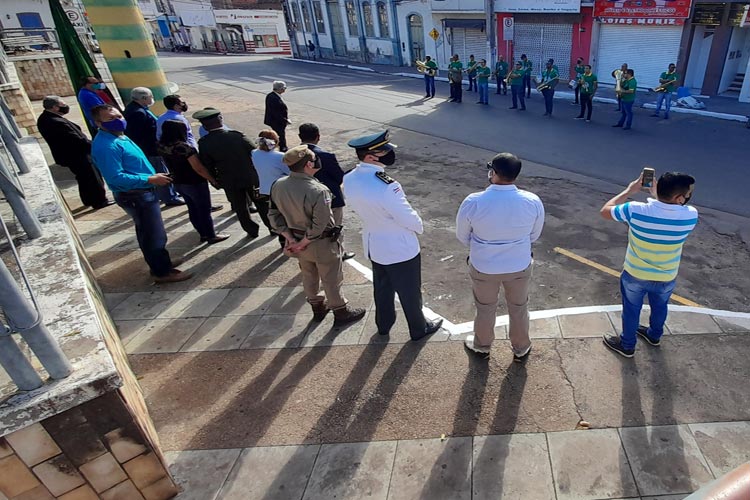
(348, 255)
(106, 203)
(216, 208)
(252, 210)
(432, 327)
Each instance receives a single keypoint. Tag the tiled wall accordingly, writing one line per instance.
(93, 451)
(44, 75)
(20, 106)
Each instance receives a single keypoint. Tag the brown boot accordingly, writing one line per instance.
(347, 314)
(320, 309)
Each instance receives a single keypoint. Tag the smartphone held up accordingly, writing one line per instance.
(647, 178)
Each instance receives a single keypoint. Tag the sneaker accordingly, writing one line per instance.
(578, 118)
(218, 238)
(429, 329)
(469, 344)
(643, 333)
(615, 344)
(588, 121)
(655, 115)
(174, 276)
(520, 357)
(617, 125)
(347, 314)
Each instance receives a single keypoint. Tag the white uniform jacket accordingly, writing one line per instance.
(389, 224)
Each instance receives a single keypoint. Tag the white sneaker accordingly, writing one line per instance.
(469, 344)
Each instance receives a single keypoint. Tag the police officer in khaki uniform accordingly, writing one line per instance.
(301, 212)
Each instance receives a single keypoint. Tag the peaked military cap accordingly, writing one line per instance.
(206, 113)
(374, 142)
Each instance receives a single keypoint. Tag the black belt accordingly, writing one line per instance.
(327, 233)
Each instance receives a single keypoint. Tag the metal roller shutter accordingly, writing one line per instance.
(648, 50)
(541, 42)
(469, 41)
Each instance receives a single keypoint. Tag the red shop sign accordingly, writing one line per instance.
(657, 9)
(640, 21)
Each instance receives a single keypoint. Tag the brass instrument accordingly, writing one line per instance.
(663, 87)
(546, 85)
(508, 78)
(618, 80)
(422, 68)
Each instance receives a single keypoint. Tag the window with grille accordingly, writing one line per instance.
(367, 14)
(295, 15)
(306, 17)
(318, 12)
(351, 18)
(383, 20)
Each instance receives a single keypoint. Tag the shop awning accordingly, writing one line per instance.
(475, 24)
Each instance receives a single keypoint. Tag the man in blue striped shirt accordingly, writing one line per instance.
(657, 231)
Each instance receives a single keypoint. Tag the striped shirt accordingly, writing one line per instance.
(656, 236)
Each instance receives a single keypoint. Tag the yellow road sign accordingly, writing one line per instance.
(434, 34)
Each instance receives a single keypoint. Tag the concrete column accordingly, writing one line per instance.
(126, 44)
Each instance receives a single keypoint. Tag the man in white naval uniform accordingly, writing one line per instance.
(389, 231)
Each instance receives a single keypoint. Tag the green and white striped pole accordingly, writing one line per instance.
(125, 41)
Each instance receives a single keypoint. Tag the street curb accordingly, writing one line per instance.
(558, 95)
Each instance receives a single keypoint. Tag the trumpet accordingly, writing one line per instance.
(508, 78)
(422, 68)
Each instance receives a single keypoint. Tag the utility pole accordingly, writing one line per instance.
(489, 14)
(126, 44)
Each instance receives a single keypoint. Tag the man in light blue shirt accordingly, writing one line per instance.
(176, 106)
(132, 180)
(499, 225)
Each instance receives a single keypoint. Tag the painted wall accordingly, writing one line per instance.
(13, 7)
(740, 43)
(406, 9)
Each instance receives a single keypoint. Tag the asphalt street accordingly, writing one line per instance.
(573, 166)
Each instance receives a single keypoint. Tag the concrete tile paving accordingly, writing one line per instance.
(725, 445)
(221, 334)
(201, 473)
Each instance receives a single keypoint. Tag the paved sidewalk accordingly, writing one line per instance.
(722, 107)
(656, 463)
(254, 401)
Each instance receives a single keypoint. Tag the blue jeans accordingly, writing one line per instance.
(198, 200)
(166, 194)
(484, 91)
(549, 95)
(626, 111)
(429, 86)
(472, 83)
(516, 93)
(143, 206)
(633, 291)
(664, 96)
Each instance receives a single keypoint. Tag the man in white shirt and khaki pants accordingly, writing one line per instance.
(499, 225)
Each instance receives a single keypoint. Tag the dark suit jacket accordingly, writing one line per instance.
(226, 154)
(68, 144)
(276, 111)
(330, 174)
(141, 128)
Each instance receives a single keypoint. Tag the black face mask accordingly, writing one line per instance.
(64, 110)
(184, 108)
(687, 200)
(317, 165)
(388, 159)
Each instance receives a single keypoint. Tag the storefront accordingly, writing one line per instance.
(253, 31)
(543, 30)
(466, 37)
(718, 50)
(645, 35)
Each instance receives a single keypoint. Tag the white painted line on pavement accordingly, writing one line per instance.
(298, 77)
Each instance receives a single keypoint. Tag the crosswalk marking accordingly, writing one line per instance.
(304, 78)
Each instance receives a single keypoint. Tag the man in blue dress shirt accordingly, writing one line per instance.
(389, 232)
(499, 225)
(133, 180)
(176, 107)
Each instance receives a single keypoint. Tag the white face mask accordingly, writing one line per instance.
(489, 175)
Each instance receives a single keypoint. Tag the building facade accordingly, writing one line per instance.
(256, 31)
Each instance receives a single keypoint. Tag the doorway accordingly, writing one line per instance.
(416, 37)
(703, 38)
(337, 28)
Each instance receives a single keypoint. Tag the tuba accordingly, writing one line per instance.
(422, 68)
(618, 80)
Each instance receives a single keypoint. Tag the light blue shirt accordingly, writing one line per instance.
(499, 225)
(270, 168)
(174, 115)
(89, 100)
(121, 162)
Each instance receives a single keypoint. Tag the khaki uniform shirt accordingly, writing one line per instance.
(301, 203)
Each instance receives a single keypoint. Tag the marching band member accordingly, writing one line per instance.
(483, 82)
(429, 77)
(471, 72)
(627, 99)
(667, 82)
(580, 69)
(588, 84)
(528, 67)
(501, 73)
(455, 75)
(550, 77)
(517, 89)
(619, 78)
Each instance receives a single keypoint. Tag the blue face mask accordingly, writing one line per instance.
(99, 86)
(116, 125)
